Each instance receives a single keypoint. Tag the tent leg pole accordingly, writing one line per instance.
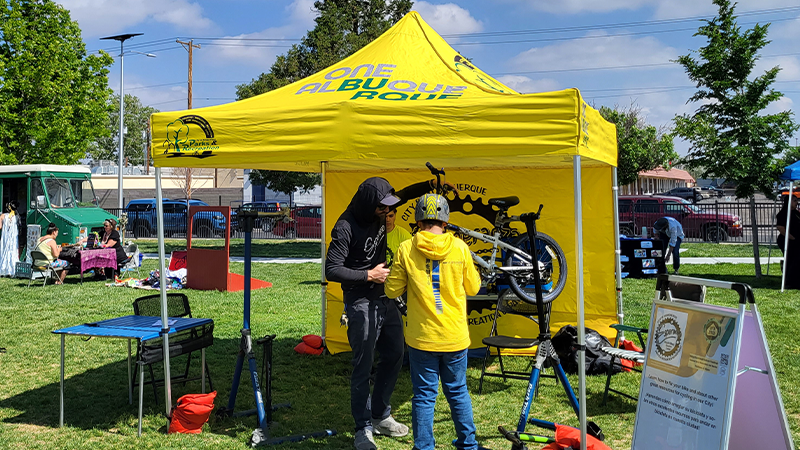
(576, 167)
(323, 167)
(163, 283)
(786, 237)
(617, 249)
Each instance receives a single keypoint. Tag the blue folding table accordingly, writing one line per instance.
(141, 328)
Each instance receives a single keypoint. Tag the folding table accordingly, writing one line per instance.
(141, 328)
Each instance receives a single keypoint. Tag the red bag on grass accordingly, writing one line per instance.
(191, 412)
(311, 345)
(571, 437)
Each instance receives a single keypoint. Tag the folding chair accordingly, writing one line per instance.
(40, 266)
(671, 291)
(183, 343)
(508, 303)
(132, 262)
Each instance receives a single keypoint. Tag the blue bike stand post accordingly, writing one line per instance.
(261, 434)
(545, 352)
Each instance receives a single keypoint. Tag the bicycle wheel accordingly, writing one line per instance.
(552, 269)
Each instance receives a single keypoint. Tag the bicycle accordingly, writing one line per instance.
(517, 267)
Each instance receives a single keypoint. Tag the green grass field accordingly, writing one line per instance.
(311, 249)
(98, 415)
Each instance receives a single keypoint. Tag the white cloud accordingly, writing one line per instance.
(525, 85)
(242, 49)
(577, 6)
(599, 51)
(667, 9)
(102, 17)
(662, 8)
(448, 18)
(782, 104)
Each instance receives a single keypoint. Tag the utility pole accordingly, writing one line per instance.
(189, 46)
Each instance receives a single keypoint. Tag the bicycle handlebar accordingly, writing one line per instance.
(439, 188)
(534, 216)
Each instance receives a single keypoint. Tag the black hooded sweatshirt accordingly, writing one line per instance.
(358, 239)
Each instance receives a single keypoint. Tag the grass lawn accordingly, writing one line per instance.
(689, 250)
(260, 247)
(98, 416)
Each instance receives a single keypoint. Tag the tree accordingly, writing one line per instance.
(730, 135)
(285, 182)
(136, 119)
(53, 96)
(639, 146)
(342, 28)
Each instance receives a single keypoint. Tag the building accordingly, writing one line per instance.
(658, 180)
(217, 187)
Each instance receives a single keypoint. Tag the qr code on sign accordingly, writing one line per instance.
(723, 359)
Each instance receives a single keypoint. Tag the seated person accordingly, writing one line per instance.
(110, 238)
(47, 245)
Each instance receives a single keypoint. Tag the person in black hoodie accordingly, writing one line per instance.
(357, 259)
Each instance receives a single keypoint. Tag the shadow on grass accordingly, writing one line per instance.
(317, 388)
(765, 282)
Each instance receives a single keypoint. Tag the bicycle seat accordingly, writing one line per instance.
(504, 202)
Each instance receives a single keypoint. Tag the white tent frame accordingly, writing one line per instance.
(578, 205)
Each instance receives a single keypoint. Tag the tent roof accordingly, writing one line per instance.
(791, 172)
(404, 99)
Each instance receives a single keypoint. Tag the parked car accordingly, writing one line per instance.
(142, 218)
(303, 222)
(264, 223)
(687, 193)
(712, 191)
(637, 211)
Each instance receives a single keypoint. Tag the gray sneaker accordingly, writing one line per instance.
(364, 440)
(389, 427)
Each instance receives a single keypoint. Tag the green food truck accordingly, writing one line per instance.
(48, 193)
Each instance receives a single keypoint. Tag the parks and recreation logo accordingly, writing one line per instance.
(190, 136)
(712, 330)
(668, 337)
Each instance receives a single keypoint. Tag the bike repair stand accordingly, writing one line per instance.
(261, 434)
(545, 354)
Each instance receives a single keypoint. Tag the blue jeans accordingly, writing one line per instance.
(426, 370)
(676, 251)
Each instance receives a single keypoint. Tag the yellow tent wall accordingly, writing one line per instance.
(551, 187)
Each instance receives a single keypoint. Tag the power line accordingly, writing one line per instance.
(262, 42)
(616, 25)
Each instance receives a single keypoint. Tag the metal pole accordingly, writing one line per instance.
(576, 175)
(61, 391)
(786, 237)
(324, 284)
(617, 248)
(163, 283)
(121, 117)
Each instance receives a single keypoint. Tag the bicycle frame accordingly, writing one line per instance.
(489, 264)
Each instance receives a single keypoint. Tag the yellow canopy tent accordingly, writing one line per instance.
(408, 98)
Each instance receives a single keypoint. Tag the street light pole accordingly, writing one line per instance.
(121, 38)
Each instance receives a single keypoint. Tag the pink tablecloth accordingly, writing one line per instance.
(98, 258)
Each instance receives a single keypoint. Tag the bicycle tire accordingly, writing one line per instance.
(555, 269)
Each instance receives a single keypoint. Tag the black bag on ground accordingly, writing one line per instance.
(565, 344)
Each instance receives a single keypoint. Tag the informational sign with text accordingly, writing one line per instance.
(688, 378)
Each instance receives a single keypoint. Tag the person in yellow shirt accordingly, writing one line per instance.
(437, 272)
(394, 236)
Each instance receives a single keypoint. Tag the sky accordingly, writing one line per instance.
(618, 53)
